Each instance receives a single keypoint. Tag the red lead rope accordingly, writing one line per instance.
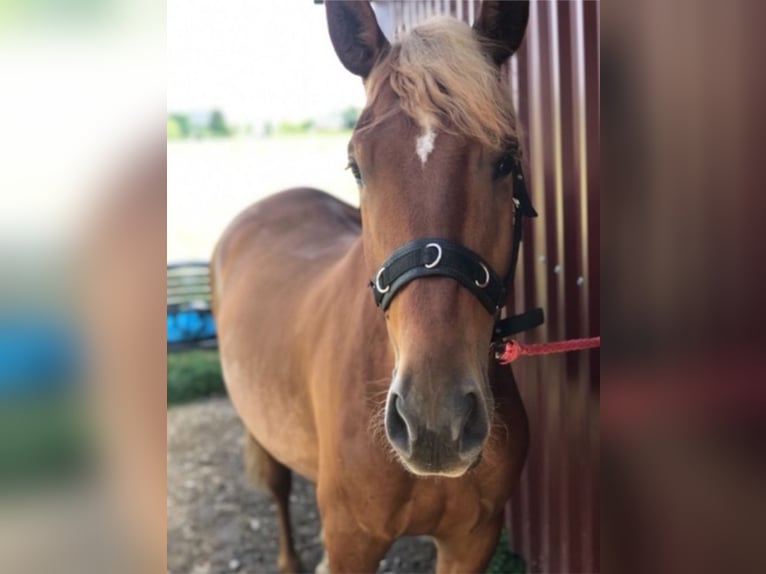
(513, 349)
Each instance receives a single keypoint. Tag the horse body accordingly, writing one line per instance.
(267, 268)
(310, 391)
(398, 414)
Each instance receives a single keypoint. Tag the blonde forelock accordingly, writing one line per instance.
(443, 80)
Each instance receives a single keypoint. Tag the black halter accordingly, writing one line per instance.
(431, 256)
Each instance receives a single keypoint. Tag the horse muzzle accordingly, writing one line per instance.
(443, 438)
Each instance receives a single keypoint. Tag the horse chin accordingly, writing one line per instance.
(456, 470)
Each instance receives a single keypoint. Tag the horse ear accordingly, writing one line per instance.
(501, 25)
(355, 34)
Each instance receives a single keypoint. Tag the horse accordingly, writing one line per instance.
(356, 343)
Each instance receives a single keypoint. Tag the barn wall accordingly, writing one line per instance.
(554, 514)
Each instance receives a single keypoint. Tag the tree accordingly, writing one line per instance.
(178, 126)
(349, 117)
(174, 130)
(218, 125)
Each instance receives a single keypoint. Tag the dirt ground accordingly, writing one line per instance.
(217, 523)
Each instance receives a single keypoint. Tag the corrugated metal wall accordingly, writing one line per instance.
(554, 515)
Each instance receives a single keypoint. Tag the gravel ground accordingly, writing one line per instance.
(217, 523)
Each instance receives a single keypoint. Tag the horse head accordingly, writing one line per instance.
(433, 153)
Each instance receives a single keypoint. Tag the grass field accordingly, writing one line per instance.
(193, 374)
(210, 181)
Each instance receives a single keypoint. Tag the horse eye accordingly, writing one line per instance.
(504, 166)
(352, 165)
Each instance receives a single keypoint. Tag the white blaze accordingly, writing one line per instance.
(425, 144)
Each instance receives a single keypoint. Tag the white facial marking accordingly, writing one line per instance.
(425, 144)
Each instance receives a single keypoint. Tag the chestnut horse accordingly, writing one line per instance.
(398, 414)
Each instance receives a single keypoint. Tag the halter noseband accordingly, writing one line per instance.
(433, 256)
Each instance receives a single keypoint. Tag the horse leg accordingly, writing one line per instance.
(349, 549)
(265, 472)
(464, 552)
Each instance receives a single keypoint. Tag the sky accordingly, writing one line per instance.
(255, 60)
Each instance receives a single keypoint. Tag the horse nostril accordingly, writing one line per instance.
(475, 427)
(396, 426)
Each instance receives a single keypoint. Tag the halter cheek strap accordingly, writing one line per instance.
(527, 320)
(433, 256)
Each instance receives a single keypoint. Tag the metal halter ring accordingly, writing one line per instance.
(377, 282)
(486, 277)
(435, 262)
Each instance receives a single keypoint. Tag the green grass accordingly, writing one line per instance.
(505, 560)
(193, 374)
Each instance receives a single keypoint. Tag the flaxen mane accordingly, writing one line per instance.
(444, 81)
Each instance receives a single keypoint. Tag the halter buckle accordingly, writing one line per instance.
(377, 281)
(484, 283)
(436, 261)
